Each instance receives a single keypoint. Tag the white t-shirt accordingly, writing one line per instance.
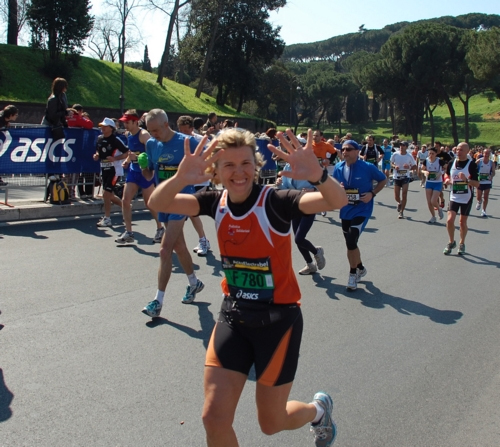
(400, 160)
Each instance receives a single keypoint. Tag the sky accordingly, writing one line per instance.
(304, 21)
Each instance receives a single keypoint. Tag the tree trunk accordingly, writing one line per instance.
(431, 122)
(465, 103)
(453, 116)
(210, 50)
(391, 111)
(12, 30)
(240, 102)
(168, 40)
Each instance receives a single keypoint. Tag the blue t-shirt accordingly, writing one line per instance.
(164, 158)
(135, 146)
(359, 181)
(387, 152)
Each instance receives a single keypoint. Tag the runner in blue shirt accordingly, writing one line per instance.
(164, 152)
(356, 176)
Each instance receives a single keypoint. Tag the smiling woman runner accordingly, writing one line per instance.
(260, 322)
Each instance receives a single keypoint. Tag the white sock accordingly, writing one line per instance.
(159, 296)
(319, 412)
(193, 280)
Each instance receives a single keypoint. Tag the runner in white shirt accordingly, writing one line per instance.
(403, 164)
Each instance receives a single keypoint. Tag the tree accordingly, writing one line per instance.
(146, 61)
(234, 43)
(13, 12)
(60, 25)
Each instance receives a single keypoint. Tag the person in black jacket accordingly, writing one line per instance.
(57, 105)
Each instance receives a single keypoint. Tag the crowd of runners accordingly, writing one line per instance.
(260, 316)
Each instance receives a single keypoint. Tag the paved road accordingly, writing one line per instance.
(412, 358)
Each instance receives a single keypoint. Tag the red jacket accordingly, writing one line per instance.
(79, 121)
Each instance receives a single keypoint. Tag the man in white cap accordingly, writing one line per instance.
(110, 151)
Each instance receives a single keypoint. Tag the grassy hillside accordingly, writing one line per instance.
(484, 124)
(97, 83)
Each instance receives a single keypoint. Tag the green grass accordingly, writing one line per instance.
(96, 83)
(484, 125)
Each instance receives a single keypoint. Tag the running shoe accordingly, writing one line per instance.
(125, 238)
(323, 213)
(441, 213)
(319, 257)
(199, 246)
(203, 247)
(450, 246)
(191, 292)
(309, 269)
(478, 205)
(360, 274)
(159, 235)
(401, 215)
(433, 219)
(483, 213)
(352, 283)
(399, 207)
(325, 430)
(461, 249)
(105, 222)
(152, 309)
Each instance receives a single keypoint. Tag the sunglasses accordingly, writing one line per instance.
(348, 149)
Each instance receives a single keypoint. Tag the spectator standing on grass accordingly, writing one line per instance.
(7, 115)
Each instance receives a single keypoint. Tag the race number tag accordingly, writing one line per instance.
(165, 172)
(432, 175)
(373, 161)
(402, 173)
(460, 187)
(249, 279)
(352, 196)
(484, 177)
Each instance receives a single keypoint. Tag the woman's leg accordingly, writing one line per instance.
(223, 389)
(276, 413)
(301, 226)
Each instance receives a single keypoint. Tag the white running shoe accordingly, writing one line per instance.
(478, 205)
(126, 237)
(309, 269)
(105, 222)
(483, 213)
(433, 219)
(441, 213)
(203, 247)
(352, 283)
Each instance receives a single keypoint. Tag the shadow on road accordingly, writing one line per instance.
(207, 323)
(479, 261)
(6, 397)
(373, 297)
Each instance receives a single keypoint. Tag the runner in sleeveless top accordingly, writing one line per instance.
(462, 175)
(486, 172)
(432, 172)
(371, 153)
(402, 163)
(137, 139)
(253, 225)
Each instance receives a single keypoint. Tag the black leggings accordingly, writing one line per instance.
(301, 226)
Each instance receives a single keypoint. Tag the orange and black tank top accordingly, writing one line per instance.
(256, 259)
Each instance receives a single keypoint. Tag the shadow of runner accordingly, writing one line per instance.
(6, 397)
(207, 323)
(373, 297)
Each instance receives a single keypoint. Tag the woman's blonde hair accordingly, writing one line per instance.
(235, 138)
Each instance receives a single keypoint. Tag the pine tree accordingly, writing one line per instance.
(146, 62)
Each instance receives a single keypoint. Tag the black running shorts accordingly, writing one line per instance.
(268, 336)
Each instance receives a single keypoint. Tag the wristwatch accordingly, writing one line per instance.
(322, 180)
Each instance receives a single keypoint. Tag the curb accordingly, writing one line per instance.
(28, 210)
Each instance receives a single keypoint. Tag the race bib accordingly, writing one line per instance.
(249, 279)
(484, 177)
(373, 161)
(165, 172)
(106, 164)
(460, 187)
(432, 176)
(352, 196)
